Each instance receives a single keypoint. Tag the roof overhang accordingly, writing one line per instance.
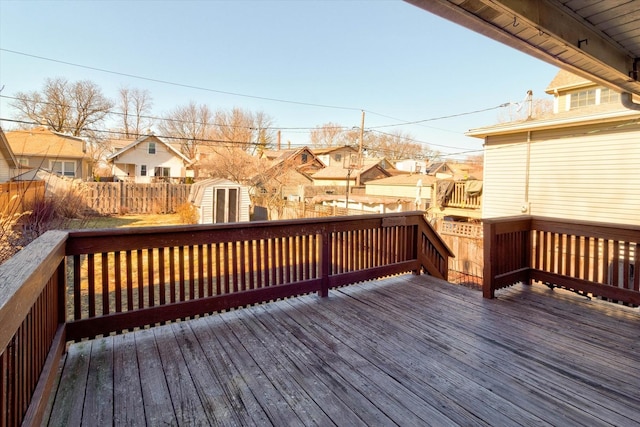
(599, 41)
(626, 117)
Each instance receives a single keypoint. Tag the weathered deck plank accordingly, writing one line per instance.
(408, 350)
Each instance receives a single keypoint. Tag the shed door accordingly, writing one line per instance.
(225, 205)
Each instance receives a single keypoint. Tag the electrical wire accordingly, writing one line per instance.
(133, 76)
(402, 122)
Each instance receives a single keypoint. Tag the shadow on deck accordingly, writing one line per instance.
(407, 350)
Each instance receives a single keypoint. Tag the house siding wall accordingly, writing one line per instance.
(5, 170)
(205, 210)
(395, 191)
(586, 173)
(139, 155)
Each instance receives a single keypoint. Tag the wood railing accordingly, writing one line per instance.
(32, 320)
(121, 279)
(460, 199)
(595, 258)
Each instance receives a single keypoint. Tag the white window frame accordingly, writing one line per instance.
(223, 210)
(162, 170)
(151, 148)
(143, 170)
(67, 167)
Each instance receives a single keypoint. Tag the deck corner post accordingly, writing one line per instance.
(489, 249)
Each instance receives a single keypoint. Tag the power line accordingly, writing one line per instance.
(506, 104)
(102, 70)
(402, 122)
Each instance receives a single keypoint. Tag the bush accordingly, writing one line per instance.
(188, 213)
(18, 229)
(11, 239)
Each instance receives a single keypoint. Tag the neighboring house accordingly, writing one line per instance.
(334, 156)
(457, 193)
(414, 188)
(149, 159)
(302, 159)
(435, 168)
(411, 166)
(339, 176)
(41, 148)
(286, 173)
(580, 163)
(219, 200)
(8, 161)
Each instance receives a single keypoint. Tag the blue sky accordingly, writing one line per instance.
(397, 62)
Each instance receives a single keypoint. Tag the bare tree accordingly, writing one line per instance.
(395, 146)
(328, 135)
(74, 108)
(191, 125)
(229, 162)
(240, 128)
(135, 104)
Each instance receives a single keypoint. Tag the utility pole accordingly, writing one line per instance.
(360, 149)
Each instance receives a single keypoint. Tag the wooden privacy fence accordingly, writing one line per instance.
(17, 197)
(120, 279)
(128, 197)
(465, 240)
(596, 258)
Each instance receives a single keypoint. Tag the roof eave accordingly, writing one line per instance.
(554, 123)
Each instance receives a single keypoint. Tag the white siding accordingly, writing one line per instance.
(584, 174)
(205, 210)
(206, 206)
(245, 203)
(5, 170)
(504, 179)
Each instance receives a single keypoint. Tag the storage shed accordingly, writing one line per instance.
(219, 200)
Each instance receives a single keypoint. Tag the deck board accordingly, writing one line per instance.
(408, 350)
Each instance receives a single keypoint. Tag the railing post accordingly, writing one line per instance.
(489, 248)
(417, 236)
(325, 262)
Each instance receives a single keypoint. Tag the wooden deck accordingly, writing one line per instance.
(409, 350)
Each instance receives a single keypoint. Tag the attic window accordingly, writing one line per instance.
(608, 96)
(304, 157)
(583, 98)
(152, 148)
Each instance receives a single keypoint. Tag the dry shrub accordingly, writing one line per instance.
(49, 213)
(11, 239)
(69, 204)
(188, 213)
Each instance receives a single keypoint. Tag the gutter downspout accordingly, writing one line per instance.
(627, 101)
(525, 206)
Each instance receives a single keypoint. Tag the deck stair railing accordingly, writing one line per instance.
(67, 286)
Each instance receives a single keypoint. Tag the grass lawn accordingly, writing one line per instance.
(147, 220)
